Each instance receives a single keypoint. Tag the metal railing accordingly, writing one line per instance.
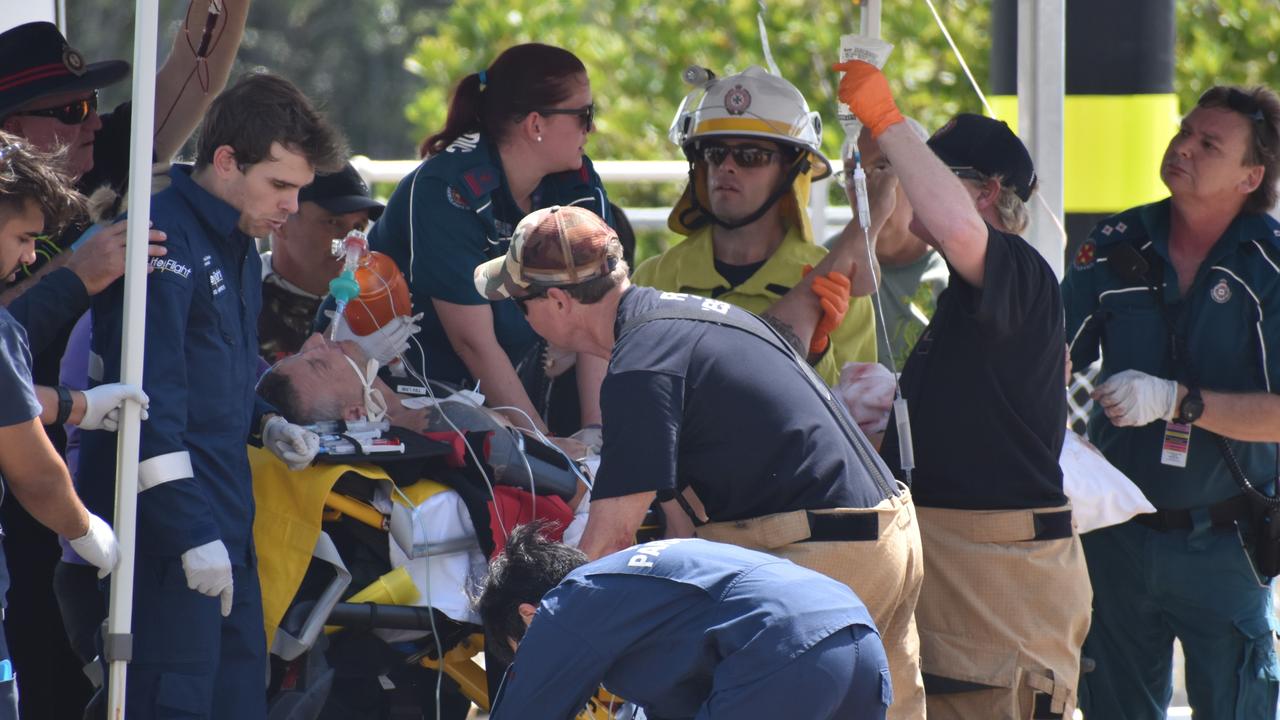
(834, 217)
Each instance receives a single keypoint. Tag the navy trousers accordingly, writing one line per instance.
(188, 660)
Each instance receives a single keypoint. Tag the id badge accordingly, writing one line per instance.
(1177, 443)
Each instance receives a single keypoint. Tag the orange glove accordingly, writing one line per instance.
(833, 293)
(865, 90)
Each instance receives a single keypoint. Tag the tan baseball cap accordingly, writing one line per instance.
(552, 247)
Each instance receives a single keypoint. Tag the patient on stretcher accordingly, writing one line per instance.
(466, 468)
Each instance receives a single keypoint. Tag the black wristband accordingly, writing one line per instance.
(64, 405)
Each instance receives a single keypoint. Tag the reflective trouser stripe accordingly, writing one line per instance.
(164, 468)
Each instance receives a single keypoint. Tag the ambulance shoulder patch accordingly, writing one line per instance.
(1086, 256)
(455, 198)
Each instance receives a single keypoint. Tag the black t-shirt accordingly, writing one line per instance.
(984, 385)
(691, 403)
(737, 274)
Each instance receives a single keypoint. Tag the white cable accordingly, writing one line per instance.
(1062, 231)
(431, 614)
(573, 465)
(438, 405)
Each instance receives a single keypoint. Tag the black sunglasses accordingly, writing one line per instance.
(968, 173)
(73, 113)
(744, 156)
(521, 302)
(585, 114)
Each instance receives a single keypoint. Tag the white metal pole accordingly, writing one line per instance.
(118, 643)
(870, 18)
(1041, 89)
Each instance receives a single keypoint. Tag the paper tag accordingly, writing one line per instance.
(1177, 443)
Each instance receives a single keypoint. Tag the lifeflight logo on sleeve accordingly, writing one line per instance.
(165, 265)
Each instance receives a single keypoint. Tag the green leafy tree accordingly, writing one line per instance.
(1233, 42)
(636, 50)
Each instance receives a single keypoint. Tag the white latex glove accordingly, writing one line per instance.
(102, 405)
(208, 569)
(1132, 398)
(867, 390)
(294, 444)
(592, 436)
(98, 546)
(385, 343)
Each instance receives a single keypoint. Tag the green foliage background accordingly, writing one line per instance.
(635, 51)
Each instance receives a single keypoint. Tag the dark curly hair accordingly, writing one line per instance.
(31, 175)
(527, 569)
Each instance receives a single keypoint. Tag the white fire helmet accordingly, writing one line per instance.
(756, 104)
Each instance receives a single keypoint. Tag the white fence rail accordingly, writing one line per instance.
(834, 217)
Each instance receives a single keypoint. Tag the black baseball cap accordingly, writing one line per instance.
(976, 142)
(35, 61)
(342, 192)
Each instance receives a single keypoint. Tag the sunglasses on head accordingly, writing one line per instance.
(744, 156)
(73, 113)
(586, 114)
(1244, 104)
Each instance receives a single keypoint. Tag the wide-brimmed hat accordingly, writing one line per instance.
(552, 247)
(35, 60)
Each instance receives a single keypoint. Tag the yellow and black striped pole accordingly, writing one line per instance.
(1120, 108)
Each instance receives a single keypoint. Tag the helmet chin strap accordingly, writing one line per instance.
(698, 215)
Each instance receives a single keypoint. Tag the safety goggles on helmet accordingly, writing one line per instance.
(72, 113)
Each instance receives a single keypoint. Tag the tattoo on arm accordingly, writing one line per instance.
(787, 333)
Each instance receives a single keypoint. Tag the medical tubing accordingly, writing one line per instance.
(902, 419)
(426, 581)
(573, 466)
(497, 514)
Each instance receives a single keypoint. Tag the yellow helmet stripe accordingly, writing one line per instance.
(744, 124)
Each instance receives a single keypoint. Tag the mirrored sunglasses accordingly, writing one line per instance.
(73, 113)
(744, 156)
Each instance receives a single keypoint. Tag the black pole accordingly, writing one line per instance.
(1120, 109)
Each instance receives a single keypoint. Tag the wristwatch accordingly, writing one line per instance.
(1191, 408)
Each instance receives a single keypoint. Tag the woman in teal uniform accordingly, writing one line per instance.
(512, 143)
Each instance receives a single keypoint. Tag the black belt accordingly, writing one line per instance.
(843, 527)
(1053, 525)
(1223, 514)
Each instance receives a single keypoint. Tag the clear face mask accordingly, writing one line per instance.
(375, 405)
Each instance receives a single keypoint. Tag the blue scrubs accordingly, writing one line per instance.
(1197, 584)
(691, 628)
(18, 405)
(200, 366)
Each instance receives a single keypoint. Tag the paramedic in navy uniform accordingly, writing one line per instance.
(684, 628)
(199, 646)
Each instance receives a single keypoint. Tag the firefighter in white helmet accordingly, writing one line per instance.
(754, 148)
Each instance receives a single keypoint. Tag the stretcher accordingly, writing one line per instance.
(326, 531)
